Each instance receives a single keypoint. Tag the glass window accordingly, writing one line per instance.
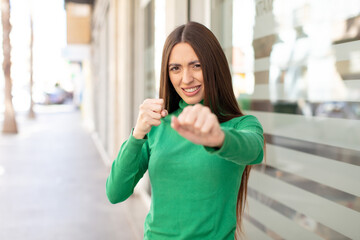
(149, 50)
(296, 67)
(221, 24)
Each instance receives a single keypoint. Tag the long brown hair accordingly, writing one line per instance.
(219, 95)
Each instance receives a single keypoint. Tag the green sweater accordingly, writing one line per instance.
(193, 188)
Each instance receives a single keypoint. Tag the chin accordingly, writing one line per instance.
(192, 100)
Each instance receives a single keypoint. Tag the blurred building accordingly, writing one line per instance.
(295, 65)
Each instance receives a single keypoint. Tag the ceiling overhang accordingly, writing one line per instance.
(80, 1)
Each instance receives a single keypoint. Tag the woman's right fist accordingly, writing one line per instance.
(150, 113)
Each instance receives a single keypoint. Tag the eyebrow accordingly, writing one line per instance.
(177, 64)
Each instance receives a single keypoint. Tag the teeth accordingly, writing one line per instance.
(190, 90)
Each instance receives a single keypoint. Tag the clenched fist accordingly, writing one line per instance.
(199, 125)
(150, 113)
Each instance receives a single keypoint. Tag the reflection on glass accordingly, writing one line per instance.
(296, 66)
(243, 53)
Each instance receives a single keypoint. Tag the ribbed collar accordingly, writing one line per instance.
(183, 104)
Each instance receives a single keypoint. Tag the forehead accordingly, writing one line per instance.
(182, 52)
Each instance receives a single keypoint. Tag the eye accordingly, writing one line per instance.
(174, 68)
(197, 65)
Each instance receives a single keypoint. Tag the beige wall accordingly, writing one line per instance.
(124, 79)
(176, 14)
(78, 18)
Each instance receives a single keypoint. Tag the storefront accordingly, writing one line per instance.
(295, 66)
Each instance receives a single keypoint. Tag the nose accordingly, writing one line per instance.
(187, 77)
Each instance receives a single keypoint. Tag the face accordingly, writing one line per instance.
(186, 74)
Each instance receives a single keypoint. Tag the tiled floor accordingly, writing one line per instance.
(52, 183)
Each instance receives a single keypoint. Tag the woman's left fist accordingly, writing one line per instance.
(199, 125)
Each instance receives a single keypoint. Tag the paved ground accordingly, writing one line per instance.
(52, 184)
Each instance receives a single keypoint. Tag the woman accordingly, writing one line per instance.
(195, 142)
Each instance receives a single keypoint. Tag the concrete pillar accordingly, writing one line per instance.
(176, 14)
(125, 68)
(113, 119)
(200, 11)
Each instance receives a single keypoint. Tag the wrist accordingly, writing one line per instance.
(221, 139)
(138, 135)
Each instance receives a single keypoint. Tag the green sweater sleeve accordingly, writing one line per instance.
(244, 142)
(127, 169)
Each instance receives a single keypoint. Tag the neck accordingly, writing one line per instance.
(183, 104)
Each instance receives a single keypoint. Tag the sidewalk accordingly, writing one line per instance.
(52, 184)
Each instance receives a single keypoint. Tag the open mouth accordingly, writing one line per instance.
(191, 91)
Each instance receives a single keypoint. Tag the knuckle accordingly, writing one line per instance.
(213, 116)
(206, 109)
(198, 106)
(182, 117)
(188, 108)
(158, 107)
